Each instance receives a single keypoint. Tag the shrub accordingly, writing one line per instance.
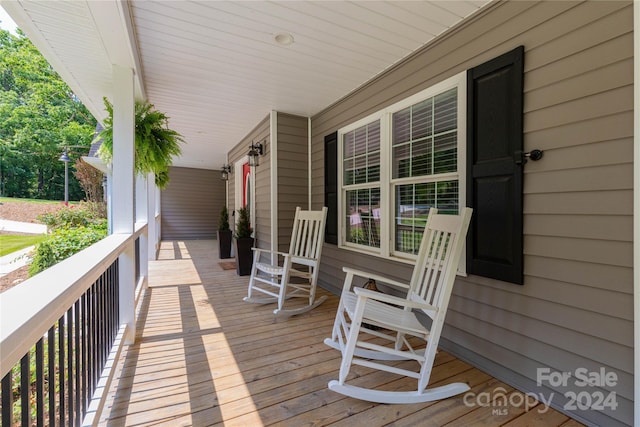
(243, 227)
(72, 229)
(223, 221)
(83, 215)
(63, 243)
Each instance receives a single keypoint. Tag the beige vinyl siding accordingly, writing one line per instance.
(262, 226)
(575, 307)
(293, 172)
(191, 204)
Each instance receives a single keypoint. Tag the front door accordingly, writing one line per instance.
(245, 196)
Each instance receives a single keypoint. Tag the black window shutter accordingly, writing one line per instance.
(331, 187)
(494, 167)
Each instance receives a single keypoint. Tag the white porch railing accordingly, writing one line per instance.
(64, 323)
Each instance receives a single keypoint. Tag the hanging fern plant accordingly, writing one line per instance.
(155, 143)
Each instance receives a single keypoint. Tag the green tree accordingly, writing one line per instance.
(39, 117)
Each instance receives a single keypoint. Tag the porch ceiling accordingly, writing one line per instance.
(214, 66)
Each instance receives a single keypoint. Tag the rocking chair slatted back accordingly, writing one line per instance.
(308, 234)
(432, 271)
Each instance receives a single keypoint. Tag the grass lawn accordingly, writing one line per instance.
(9, 243)
(16, 200)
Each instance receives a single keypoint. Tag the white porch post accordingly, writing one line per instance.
(158, 211)
(273, 156)
(151, 215)
(123, 185)
(143, 217)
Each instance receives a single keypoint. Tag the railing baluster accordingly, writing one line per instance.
(70, 364)
(51, 371)
(112, 314)
(25, 379)
(105, 326)
(7, 400)
(100, 324)
(76, 319)
(40, 383)
(99, 327)
(61, 371)
(88, 343)
(94, 337)
(84, 359)
(116, 284)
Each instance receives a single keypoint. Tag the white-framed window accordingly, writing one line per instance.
(398, 163)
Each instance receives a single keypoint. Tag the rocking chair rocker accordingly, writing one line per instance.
(301, 262)
(372, 328)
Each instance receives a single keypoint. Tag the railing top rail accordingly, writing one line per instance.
(27, 311)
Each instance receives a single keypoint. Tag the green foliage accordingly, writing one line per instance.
(155, 143)
(63, 243)
(223, 222)
(85, 214)
(243, 227)
(72, 230)
(356, 235)
(39, 117)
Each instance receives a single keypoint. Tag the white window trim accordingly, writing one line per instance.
(387, 198)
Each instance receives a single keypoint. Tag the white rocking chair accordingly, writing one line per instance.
(372, 328)
(302, 262)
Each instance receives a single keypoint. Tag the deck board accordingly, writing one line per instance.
(204, 357)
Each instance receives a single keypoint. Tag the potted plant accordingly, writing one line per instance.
(244, 243)
(155, 143)
(224, 234)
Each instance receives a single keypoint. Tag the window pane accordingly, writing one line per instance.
(422, 157)
(447, 197)
(363, 217)
(348, 143)
(373, 167)
(445, 158)
(413, 202)
(402, 126)
(349, 171)
(431, 144)
(360, 141)
(360, 173)
(421, 119)
(373, 137)
(445, 115)
(402, 161)
(361, 163)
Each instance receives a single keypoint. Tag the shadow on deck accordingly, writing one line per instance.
(204, 357)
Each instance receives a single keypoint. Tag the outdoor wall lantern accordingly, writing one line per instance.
(256, 150)
(226, 170)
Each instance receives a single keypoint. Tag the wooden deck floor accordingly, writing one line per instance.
(204, 357)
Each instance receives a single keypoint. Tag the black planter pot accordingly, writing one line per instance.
(244, 255)
(224, 243)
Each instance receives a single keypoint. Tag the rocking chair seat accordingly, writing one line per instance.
(385, 315)
(270, 269)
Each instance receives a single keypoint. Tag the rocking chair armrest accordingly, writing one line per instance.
(260, 250)
(376, 277)
(379, 296)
